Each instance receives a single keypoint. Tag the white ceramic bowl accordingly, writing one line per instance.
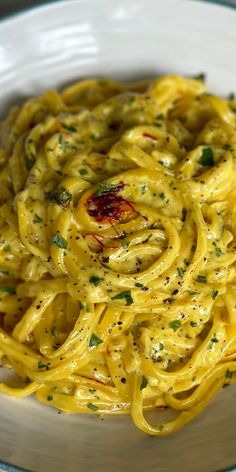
(54, 45)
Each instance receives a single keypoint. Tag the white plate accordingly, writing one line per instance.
(54, 45)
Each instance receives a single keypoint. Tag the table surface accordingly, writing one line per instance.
(12, 6)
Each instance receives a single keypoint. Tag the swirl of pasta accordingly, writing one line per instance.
(117, 248)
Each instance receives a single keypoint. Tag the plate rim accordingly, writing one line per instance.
(8, 17)
(11, 17)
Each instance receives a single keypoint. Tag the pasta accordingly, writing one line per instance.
(118, 248)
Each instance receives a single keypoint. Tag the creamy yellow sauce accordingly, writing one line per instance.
(118, 248)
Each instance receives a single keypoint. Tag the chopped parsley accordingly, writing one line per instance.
(49, 398)
(207, 157)
(94, 341)
(201, 77)
(213, 341)
(59, 241)
(94, 137)
(138, 285)
(62, 142)
(8, 289)
(37, 219)
(7, 248)
(126, 295)
(159, 117)
(92, 407)
(175, 325)
(130, 101)
(125, 244)
(43, 365)
(218, 252)
(161, 346)
(180, 271)
(193, 324)
(201, 278)
(61, 196)
(95, 280)
(104, 187)
(83, 172)
(214, 294)
(163, 197)
(143, 189)
(143, 383)
(69, 127)
(229, 374)
(30, 163)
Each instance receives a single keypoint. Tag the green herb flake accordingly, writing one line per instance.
(95, 280)
(143, 189)
(53, 331)
(163, 197)
(229, 374)
(30, 163)
(83, 172)
(49, 398)
(37, 220)
(180, 271)
(201, 77)
(94, 341)
(161, 427)
(214, 339)
(104, 187)
(159, 117)
(61, 196)
(7, 248)
(138, 285)
(207, 157)
(175, 325)
(126, 295)
(94, 137)
(143, 383)
(69, 127)
(201, 278)
(130, 101)
(161, 346)
(214, 294)
(8, 289)
(42, 365)
(193, 324)
(92, 407)
(125, 244)
(218, 252)
(59, 241)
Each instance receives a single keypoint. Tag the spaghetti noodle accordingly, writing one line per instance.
(118, 248)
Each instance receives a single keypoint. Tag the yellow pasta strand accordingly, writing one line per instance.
(118, 248)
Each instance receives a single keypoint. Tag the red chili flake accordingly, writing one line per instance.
(230, 353)
(101, 240)
(104, 204)
(149, 136)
